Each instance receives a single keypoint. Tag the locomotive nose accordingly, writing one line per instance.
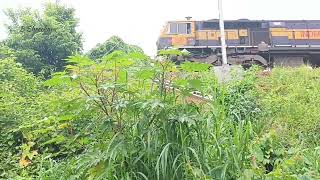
(158, 44)
(164, 42)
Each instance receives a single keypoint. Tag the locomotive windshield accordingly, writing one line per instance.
(179, 28)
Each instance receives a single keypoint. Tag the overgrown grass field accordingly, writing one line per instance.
(116, 119)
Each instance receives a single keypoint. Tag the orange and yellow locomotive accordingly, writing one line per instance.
(274, 42)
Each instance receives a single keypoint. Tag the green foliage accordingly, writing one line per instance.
(6, 52)
(129, 117)
(290, 102)
(41, 41)
(151, 131)
(170, 52)
(242, 100)
(114, 43)
(195, 67)
(18, 89)
(268, 152)
(293, 102)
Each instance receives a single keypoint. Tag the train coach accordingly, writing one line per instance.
(267, 43)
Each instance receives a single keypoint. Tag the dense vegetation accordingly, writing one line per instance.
(117, 114)
(42, 40)
(112, 44)
(117, 119)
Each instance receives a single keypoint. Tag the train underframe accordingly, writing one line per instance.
(263, 56)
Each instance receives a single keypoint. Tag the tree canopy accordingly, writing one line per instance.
(41, 41)
(112, 44)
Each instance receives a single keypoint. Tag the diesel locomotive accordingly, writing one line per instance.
(262, 42)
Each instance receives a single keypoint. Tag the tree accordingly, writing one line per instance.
(6, 52)
(112, 44)
(42, 41)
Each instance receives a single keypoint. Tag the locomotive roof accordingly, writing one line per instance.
(247, 20)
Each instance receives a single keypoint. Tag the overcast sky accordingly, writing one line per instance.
(139, 22)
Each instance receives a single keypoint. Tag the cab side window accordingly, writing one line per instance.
(173, 28)
(188, 28)
(179, 28)
(182, 28)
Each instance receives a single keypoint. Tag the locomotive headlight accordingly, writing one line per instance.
(191, 41)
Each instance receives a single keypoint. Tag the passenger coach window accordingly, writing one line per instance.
(180, 28)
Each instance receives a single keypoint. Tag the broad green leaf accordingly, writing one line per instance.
(195, 67)
(80, 61)
(180, 82)
(113, 56)
(145, 74)
(56, 140)
(122, 77)
(138, 56)
(170, 52)
(195, 83)
(58, 79)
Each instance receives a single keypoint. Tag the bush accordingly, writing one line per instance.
(129, 117)
(291, 97)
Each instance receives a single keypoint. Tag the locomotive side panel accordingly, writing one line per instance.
(212, 37)
(296, 33)
(280, 42)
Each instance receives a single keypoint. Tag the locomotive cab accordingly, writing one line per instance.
(177, 34)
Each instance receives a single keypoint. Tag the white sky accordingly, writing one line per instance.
(140, 21)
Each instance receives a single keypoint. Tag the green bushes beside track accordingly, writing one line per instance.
(115, 119)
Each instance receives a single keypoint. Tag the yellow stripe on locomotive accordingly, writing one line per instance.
(267, 43)
(187, 33)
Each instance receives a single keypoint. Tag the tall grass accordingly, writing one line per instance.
(291, 96)
(173, 140)
(126, 123)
